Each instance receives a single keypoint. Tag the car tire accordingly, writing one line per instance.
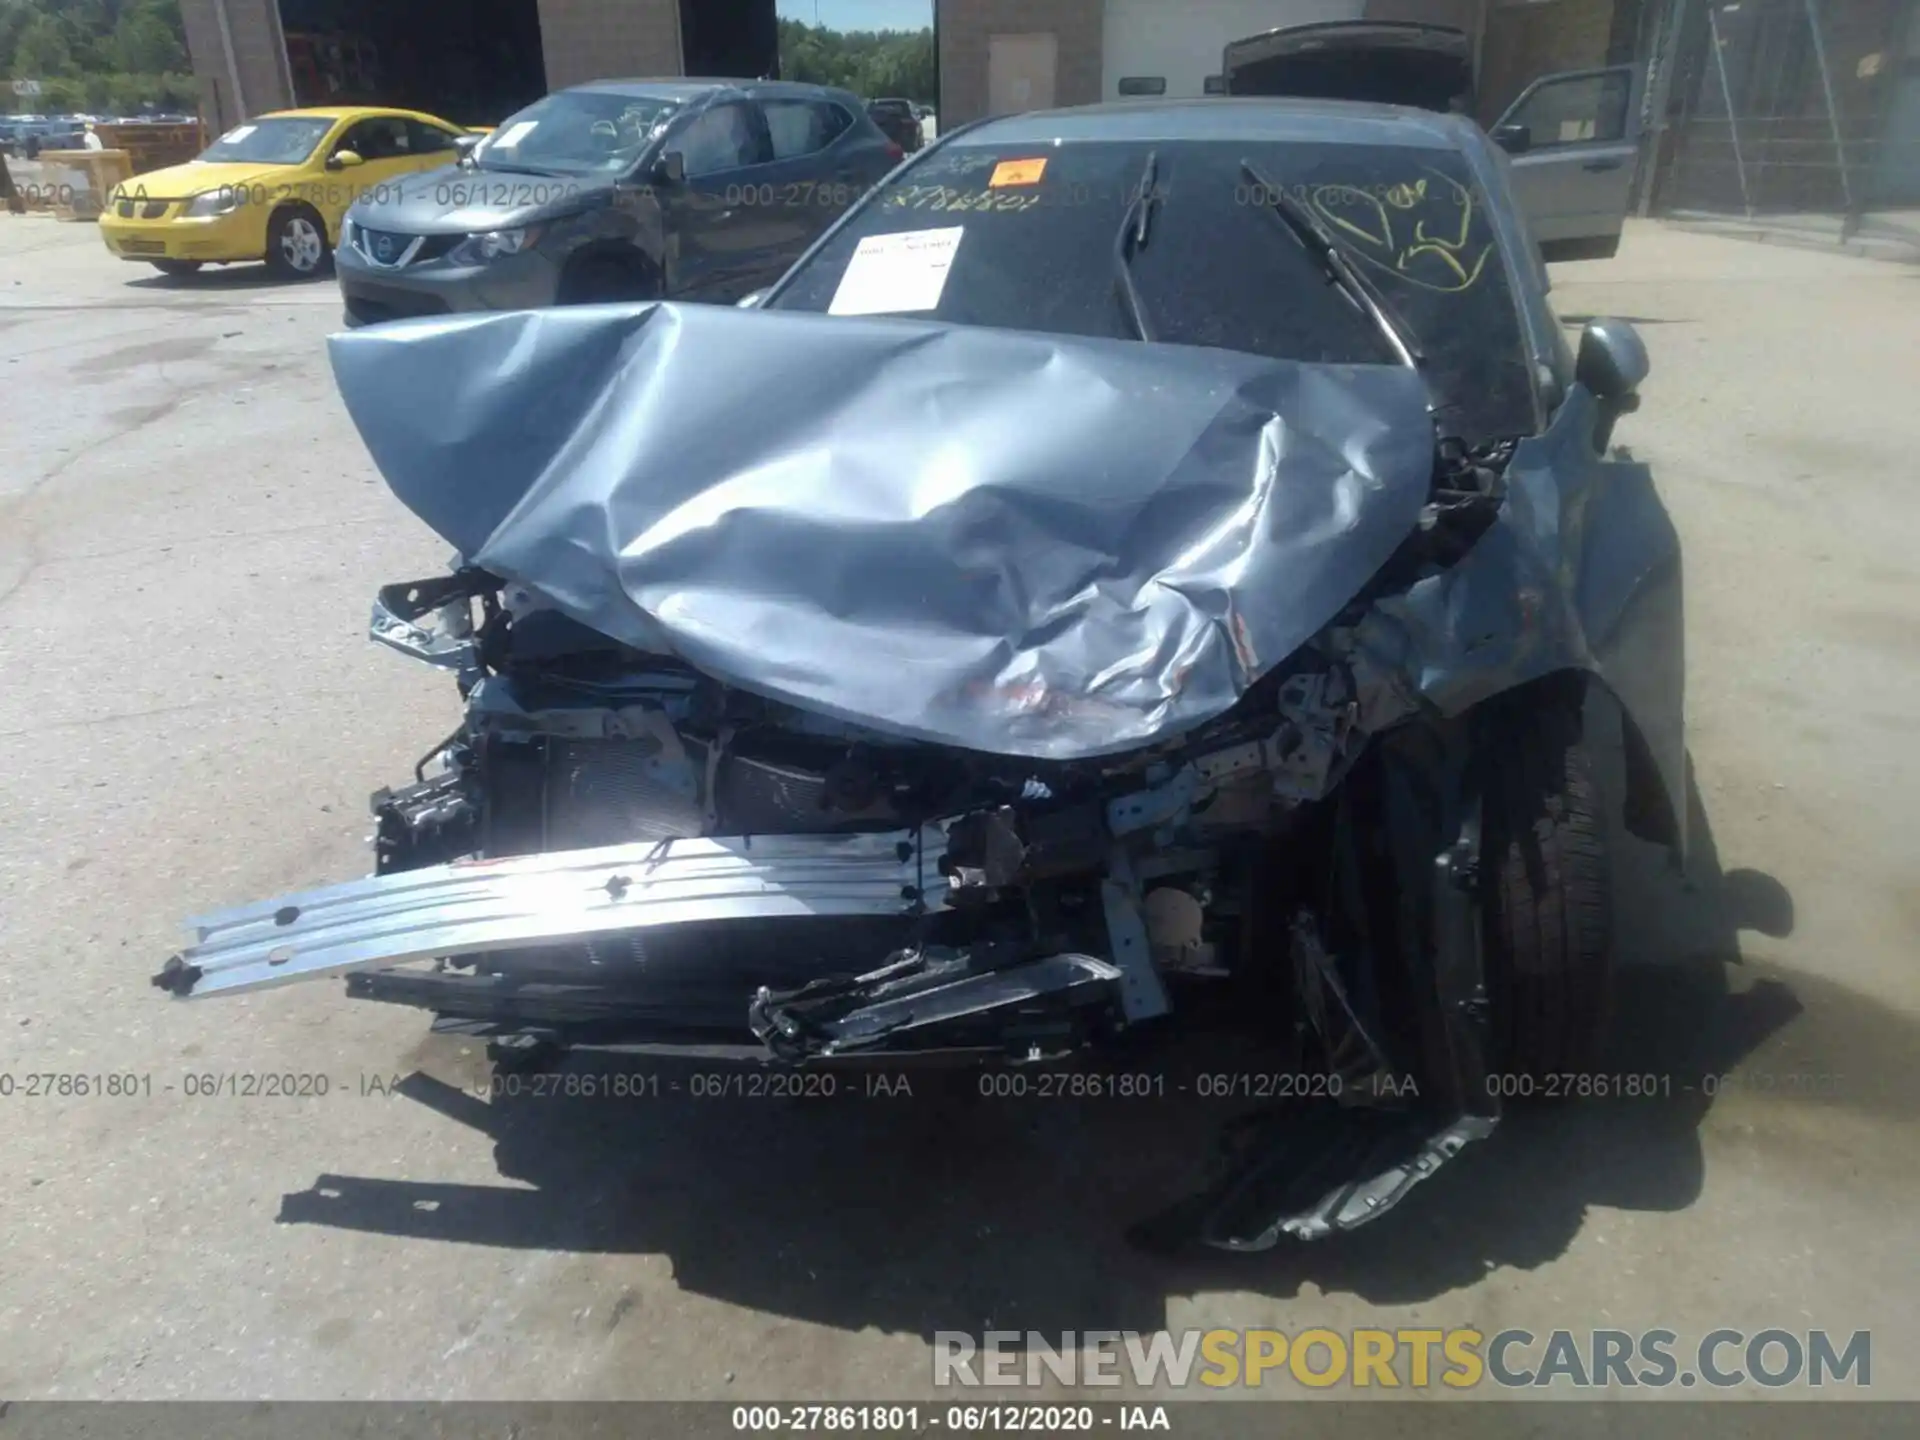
(606, 279)
(1547, 895)
(177, 268)
(297, 246)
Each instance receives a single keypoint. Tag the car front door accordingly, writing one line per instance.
(384, 144)
(722, 220)
(431, 145)
(1574, 139)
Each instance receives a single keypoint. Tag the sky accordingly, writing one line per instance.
(860, 14)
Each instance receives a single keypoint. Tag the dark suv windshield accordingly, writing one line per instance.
(576, 132)
(1028, 235)
(285, 141)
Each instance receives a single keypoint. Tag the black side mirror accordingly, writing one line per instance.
(1514, 139)
(1612, 360)
(465, 143)
(1611, 364)
(670, 169)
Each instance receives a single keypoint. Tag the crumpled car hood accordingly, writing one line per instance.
(1016, 543)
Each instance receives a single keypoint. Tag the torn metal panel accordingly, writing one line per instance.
(1314, 1185)
(923, 998)
(1026, 544)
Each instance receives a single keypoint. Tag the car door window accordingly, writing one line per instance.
(384, 138)
(721, 138)
(424, 139)
(803, 127)
(1574, 109)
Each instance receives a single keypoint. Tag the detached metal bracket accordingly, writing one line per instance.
(448, 639)
(1142, 995)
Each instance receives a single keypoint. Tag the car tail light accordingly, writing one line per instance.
(895, 153)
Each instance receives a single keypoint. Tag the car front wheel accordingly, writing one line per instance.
(1547, 917)
(603, 279)
(297, 246)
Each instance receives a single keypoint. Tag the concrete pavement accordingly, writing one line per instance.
(190, 533)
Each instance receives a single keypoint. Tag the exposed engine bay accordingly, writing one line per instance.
(936, 900)
(1285, 720)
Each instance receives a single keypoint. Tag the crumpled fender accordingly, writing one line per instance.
(1579, 571)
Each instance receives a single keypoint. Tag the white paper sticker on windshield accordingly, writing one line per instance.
(237, 134)
(514, 134)
(897, 274)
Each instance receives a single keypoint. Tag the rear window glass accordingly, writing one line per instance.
(1025, 239)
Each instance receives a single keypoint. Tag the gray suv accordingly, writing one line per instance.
(618, 190)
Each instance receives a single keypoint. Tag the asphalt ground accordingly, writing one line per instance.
(191, 716)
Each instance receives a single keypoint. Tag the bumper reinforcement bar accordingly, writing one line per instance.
(474, 907)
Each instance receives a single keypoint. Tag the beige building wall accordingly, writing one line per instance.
(241, 64)
(1518, 38)
(966, 31)
(1525, 41)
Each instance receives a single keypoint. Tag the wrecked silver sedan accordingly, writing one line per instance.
(1141, 556)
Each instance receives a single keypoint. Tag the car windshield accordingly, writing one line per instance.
(1025, 238)
(285, 140)
(576, 132)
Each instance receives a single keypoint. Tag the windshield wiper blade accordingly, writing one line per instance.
(1334, 264)
(1134, 226)
(495, 165)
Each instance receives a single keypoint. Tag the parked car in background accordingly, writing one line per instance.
(900, 121)
(1574, 136)
(28, 135)
(614, 191)
(273, 189)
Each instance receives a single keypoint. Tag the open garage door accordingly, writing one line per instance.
(470, 61)
(1154, 48)
(730, 39)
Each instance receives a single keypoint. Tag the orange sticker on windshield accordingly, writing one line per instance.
(1017, 172)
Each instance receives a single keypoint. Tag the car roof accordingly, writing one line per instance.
(347, 112)
(662, 88)
(685, 88)
(797, 89)
(1223, 118)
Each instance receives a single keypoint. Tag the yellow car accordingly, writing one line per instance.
(273, 189)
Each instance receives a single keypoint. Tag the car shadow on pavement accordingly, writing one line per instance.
(1578, 319)
(950, 1209)
(226, 278)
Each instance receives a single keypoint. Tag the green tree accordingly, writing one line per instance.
(868, 62)
(144, 40)
(42, 51)
(97, 55)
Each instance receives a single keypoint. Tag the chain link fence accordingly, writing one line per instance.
(1797, 112)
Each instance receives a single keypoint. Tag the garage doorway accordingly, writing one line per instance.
(1020, 72)
(730, 39)
(473, 62)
